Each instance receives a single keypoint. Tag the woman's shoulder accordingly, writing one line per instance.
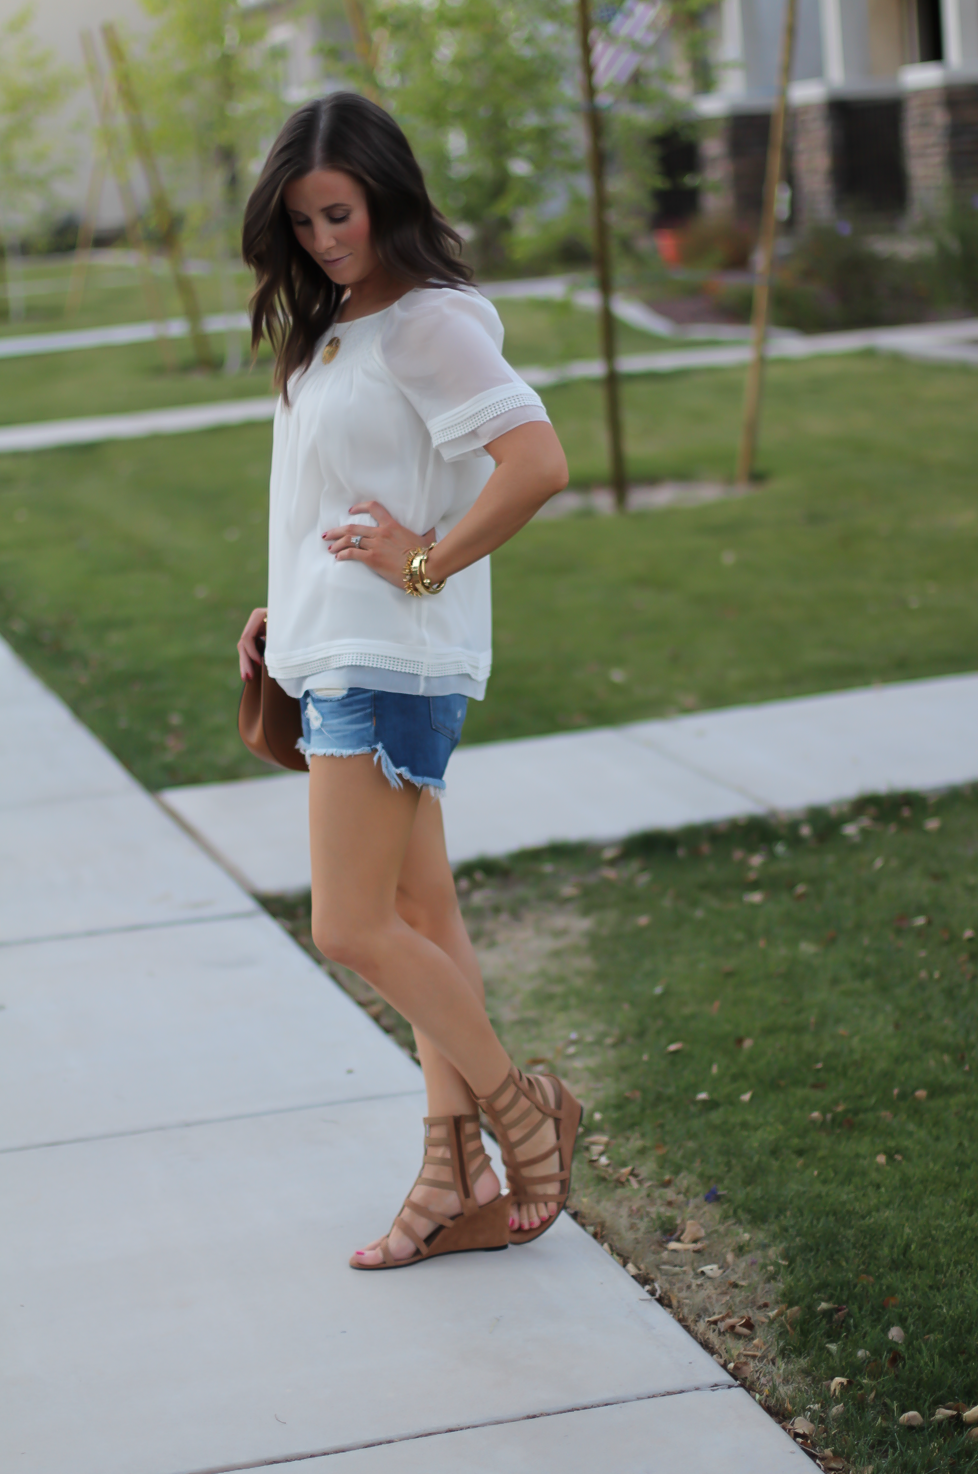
(427, 311)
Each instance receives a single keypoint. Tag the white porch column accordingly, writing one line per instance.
(959, 22)
(833, 51)
(733, 76)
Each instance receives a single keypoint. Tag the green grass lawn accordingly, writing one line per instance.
(824, 1089)
(113, 294)
(854, 979)
(127, 569)
(118, 379)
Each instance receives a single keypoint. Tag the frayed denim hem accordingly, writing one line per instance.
(394, 776)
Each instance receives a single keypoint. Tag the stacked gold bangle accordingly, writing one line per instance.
(415, 579)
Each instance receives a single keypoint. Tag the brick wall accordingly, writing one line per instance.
(813, 167)
(940, 144)
(733, 157)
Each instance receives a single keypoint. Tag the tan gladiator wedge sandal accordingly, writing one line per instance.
(503, 1109)
(478, 1226)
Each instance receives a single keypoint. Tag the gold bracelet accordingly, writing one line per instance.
(415, 578)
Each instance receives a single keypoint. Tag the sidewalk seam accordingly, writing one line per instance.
(316, 1105)
(112, 931)
(557, 1412)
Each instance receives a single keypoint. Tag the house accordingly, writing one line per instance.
(883, 107)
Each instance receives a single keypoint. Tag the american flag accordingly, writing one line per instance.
(617, 52)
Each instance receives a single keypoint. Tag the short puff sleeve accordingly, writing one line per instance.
(442, 346)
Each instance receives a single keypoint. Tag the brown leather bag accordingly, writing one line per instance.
(269, 722)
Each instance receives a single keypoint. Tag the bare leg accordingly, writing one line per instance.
(377, 857)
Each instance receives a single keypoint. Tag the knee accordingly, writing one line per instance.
(338, 941)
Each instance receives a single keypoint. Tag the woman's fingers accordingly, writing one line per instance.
(249, 656)
(376, 510)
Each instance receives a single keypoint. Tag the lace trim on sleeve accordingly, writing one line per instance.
(469, 417)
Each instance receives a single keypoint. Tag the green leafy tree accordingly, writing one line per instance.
(211, 85)
(210, 82)
(33, 153)
(487, 91)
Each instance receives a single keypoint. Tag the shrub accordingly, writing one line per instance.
(956, 254)
(715, 241)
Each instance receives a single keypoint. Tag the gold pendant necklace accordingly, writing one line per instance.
(331, 350)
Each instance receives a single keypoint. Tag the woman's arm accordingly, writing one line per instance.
(530, 468)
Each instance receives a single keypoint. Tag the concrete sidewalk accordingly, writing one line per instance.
(198, 1126)
(609, 782)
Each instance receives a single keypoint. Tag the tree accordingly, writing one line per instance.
(211, 84)
(487, 92)
(33, 155)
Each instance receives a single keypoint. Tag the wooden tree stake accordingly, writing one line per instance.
(769, 226)
(164, 215)
(602, 252)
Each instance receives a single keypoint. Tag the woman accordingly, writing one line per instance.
(405, 451)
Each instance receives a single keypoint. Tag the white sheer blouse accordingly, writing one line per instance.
(399, 416)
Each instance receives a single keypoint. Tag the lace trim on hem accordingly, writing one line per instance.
(464, 421)
(299, 665)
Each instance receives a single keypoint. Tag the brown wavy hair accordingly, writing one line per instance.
(294, 301)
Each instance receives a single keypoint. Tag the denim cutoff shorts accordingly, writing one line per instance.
(410, 736)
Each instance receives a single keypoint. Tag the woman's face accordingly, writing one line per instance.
(329, 215)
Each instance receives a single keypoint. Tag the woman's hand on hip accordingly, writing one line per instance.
(249, 656)
(383, 548)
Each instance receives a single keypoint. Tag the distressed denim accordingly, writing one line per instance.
(412, 737)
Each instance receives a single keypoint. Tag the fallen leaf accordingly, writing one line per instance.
(746, 1096)
(802, 1426)
(817, 1117)
(715, 1008)
(866, 1279)
(633, 1095)
(826, 1305)
(740, 1369)
(754, 898)
(892, 1361)
(632, 1269)
(881, 1159)
(932, 825)
(685, 1248)
(800, 891)
(596, 1140)
(712, 1271)
(642, 920)
(841, 1314)
(910, 1420)
(920, 1095)
(833, 1461)
(920, 921)
(837, 1384)
(693, 1232)
(703, 1095)
(891, 1300)
(970, 1417)
(972, 1433)
(793, 1313)
(943, 1414)
(673, 1048)
(624, 1175)
(741, 1043)
(896, 1334)
(661, 1150)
